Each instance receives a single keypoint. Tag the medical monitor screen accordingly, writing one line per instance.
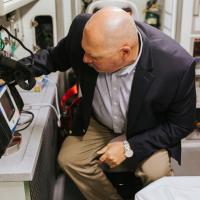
(7, 105)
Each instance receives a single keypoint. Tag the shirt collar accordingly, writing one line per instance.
(128, 69)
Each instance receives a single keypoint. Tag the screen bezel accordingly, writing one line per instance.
(12, 123)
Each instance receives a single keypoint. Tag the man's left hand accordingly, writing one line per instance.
(113, 153)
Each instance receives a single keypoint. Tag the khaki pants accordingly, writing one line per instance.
(78, 158)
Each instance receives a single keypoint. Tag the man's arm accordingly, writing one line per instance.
(50, 59)
(56, 58)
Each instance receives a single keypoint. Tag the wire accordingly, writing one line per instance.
(28, 122)
(48, 105)
(55, 109)
(20, 42)
(56, 96)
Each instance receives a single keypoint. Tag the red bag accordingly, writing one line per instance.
(69, 103)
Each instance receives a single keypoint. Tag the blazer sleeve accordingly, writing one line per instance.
(50, 59)
(179, 121)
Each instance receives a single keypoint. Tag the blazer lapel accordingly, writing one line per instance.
(142, 81)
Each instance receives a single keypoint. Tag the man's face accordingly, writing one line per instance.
(101, 59)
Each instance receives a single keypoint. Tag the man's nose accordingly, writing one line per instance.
(87, 59)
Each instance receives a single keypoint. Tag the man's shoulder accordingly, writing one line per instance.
(77, 26)
(163, 48)
(152, 33)
(81, 18)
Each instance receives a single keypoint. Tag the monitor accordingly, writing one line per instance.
(8, 109)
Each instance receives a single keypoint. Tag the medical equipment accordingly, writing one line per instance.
(10, 108)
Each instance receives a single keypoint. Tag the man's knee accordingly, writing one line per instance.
(66, 157)
(155, 167)
(63, 159)
(69, 151)
(158, 172)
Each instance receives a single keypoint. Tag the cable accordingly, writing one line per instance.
(27, 122)
(55, 109)
(48, 105)
(20, 42)
(56, 96)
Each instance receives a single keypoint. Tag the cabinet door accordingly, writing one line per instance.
(170, 17)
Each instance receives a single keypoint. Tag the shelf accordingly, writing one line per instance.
(7, 6)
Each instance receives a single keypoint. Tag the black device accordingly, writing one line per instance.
(12, 71)
(11, 105)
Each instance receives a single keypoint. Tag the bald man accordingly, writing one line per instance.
(138, 99)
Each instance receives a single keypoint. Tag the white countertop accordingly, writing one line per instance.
(20, 166)
(179, 188)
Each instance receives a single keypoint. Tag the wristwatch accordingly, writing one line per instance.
(127, 149)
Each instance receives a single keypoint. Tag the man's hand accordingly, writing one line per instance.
(113, 152)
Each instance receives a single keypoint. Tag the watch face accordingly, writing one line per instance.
(129, 153)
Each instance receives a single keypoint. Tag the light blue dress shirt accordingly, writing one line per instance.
(111, 96)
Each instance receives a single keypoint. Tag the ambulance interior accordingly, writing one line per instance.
(29, 169)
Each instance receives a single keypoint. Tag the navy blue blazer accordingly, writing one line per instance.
(162, 102)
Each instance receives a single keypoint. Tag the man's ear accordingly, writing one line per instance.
(125, 52)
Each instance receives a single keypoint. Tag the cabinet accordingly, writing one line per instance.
(7, 6)
(190, 26)
(30, 173)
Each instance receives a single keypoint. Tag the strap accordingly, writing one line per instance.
(73, 91)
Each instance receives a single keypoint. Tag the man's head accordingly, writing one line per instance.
(110, 40)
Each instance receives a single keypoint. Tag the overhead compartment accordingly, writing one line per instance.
(7, 6)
